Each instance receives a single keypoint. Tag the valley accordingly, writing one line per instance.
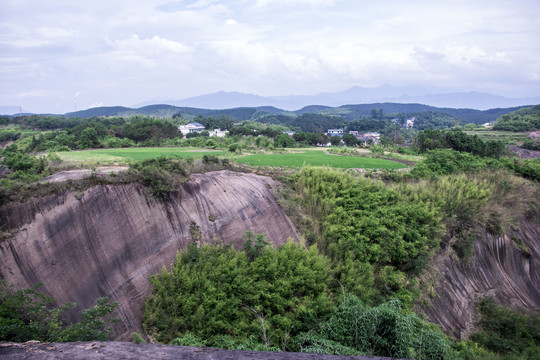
(263, 240)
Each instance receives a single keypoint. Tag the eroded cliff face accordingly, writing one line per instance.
(498, 269)
(107, 240)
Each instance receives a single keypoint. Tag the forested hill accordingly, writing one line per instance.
(524, 119)
(163, 110)
(348, 112)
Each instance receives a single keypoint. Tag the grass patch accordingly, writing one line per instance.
(318, 158)
(507, 137)
(127, 155)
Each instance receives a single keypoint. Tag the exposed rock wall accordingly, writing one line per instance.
(499, 269)
(107, 240)
(119, 350)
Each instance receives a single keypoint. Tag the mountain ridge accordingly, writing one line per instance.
(439, 97)
(350, 111)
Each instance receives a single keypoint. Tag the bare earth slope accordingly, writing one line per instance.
(107, 240)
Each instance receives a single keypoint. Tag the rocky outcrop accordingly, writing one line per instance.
(504, 267)
(117, 350)
(107, 240)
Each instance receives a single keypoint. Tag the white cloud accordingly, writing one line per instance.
(31, 94)
(26, 42)
(288, 3)
(154, 45)
(56, 32)
(107, 48)
(202, 3)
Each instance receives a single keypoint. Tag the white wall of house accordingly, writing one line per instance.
(186, 129)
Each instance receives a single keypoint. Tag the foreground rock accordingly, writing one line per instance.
(500, 269)
(119, 350)
(107, 240)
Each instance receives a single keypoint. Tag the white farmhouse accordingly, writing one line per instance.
(191, 127)
(332, 132)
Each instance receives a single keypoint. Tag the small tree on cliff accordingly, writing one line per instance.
(28, 314)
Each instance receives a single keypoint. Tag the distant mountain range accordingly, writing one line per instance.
(354, 95)
(437, 97)
(468, 107)
(10, 110)
(348, 112)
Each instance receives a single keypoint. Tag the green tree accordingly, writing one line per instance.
(88, 139)
(215, 291)
(335, 140)
(28, 314)
(350, 140)
(385, 330)
(283, 140)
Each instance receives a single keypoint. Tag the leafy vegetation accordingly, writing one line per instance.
(375, 237)
(506, 332)
(445, 162)
(261, 298)
(526, 119)
(214, 291)
(385, 330)
(28, 314)
(459, 141)
(160, 175)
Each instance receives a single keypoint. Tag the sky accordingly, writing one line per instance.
(62, 55)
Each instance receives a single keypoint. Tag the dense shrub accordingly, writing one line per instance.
(374, 236)
(216, 291)
(161, 175)
(385, 330)
(446, 162)
(459, 141)
(507, 332)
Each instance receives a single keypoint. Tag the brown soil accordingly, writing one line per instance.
(524, 153)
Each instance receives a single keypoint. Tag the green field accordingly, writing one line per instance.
(127, 155)
(507, 137)
(296, 159)
(318, 158)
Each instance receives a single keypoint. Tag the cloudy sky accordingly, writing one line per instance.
(122, 52)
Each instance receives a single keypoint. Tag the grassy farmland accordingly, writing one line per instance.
(318, 158)
(293, 159)
(127, 155)
(507, 137)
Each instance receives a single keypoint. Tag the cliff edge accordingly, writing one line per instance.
(505, 267)
(108, 239)
(119, 350)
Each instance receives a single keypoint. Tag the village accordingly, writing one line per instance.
(366, 138)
